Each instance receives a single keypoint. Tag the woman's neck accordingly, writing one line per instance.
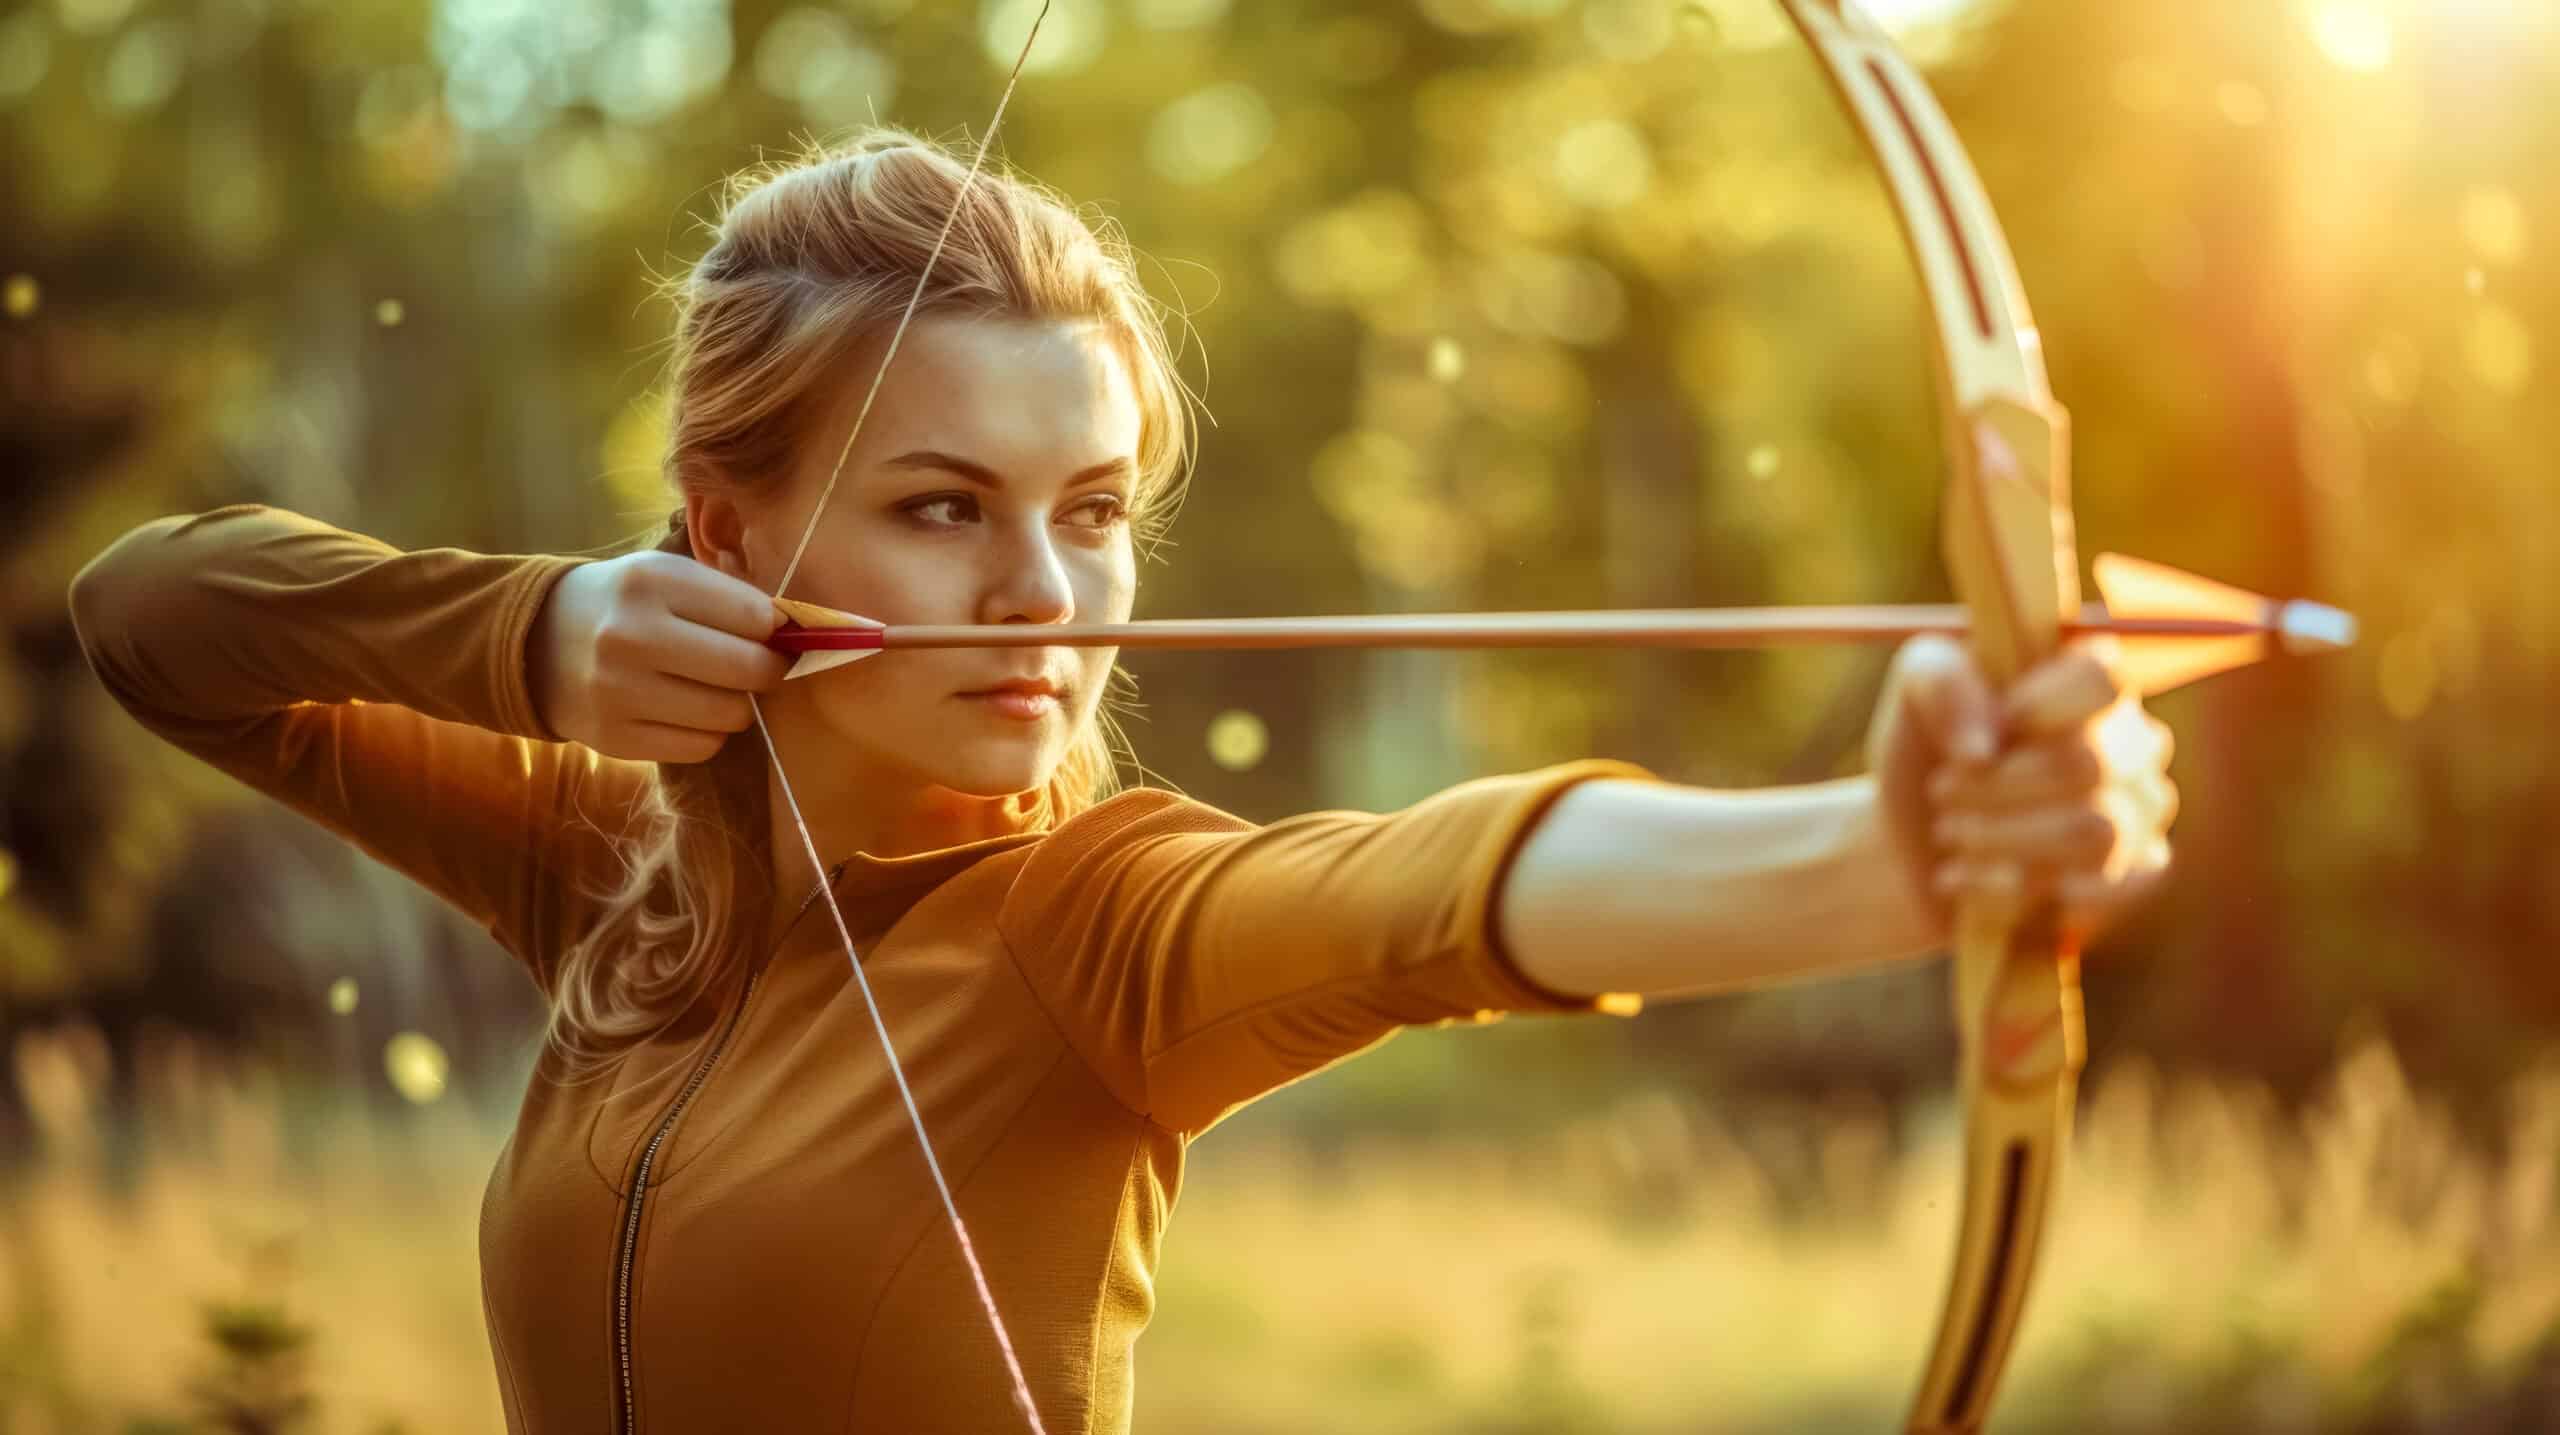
(850, 812)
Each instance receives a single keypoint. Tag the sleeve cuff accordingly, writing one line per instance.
(542, 573)
(1518, 803)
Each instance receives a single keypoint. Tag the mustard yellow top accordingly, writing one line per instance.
(1071, 1007)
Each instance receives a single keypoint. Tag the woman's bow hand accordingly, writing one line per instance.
(2058, 789)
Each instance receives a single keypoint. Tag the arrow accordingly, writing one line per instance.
(2176, 626)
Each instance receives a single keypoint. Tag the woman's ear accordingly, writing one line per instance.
(718, 530)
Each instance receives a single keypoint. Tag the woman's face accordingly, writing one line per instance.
(992, 483)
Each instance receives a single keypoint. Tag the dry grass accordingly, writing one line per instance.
(1638, 1272)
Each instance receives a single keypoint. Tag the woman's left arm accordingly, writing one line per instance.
(1670, 891)
(2056, 791)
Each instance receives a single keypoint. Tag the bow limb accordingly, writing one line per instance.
(1020, 1384)
(2010, 552)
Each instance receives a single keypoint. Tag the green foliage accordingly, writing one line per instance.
(257, 1382)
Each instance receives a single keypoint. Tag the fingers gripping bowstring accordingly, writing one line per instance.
(809, 844)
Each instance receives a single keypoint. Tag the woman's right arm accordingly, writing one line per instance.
(386, 695)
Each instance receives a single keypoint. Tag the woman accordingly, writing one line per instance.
(713, 1214)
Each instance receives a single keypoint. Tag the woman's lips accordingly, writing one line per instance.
(1019, 704)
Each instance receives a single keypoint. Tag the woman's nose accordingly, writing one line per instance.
(1031, 586)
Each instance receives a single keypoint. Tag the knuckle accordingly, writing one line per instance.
(614, 636)
(631, 577)
(2081, 766)
(652, 565)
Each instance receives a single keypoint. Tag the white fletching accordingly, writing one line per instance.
(819, 662)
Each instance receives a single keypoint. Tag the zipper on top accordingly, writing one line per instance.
(627, 1415)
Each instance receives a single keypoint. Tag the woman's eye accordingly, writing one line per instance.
(943, 508)
(1101, 511)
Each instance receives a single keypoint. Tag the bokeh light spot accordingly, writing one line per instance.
(814, 59)
(1603, 164)
(1209, 134)
(88, 17)
(2494, 224)
(1238, 740)
(416, 1065)
(2354, 34)
(389, 312)
(1627, 32)
(2392, 368)
(1763, 462)
(651, 72)
(488, 89)
(26, 52)
(342, 995)
(1447, 360)
(2244, 105)
(21, 296)
(1071, 38)
(1556, 296)
(2499, 348)
(1368, 248)
(143, 68)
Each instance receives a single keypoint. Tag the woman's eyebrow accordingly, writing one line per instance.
(985, 477)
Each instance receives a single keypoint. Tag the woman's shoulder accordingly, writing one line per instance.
(1141, 813)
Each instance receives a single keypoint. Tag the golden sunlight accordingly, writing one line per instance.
(2354, 34)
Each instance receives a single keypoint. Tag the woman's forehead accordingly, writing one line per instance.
(1038, 385)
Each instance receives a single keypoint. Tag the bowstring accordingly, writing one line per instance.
(809, 844)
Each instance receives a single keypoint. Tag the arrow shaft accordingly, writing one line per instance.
(1644, 628)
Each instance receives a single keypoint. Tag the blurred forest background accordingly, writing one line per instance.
(1496, 303)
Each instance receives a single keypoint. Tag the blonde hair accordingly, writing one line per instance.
(810, 259)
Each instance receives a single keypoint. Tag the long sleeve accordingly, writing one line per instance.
(1197, 961)
(380, 693)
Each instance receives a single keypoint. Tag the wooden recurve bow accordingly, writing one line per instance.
(2010, 553)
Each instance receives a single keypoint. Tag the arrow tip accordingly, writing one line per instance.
(2138, 588)
(2308, 627)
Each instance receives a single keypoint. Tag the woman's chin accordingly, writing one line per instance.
(987, 769)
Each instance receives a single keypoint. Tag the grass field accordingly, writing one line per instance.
(2215, 1267)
